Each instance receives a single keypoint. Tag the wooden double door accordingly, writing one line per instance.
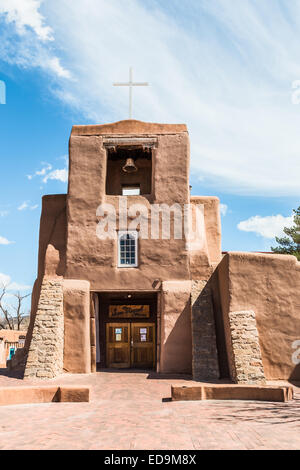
(130, 345)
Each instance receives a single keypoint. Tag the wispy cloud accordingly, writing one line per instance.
(223, 209)
(47, 167)
(58, 175)
(4, 241)
(35, 47)
(26, 205)
(23, 206)
(49, 173)
(6, 281)
(267, 227)
(3, 213)
(224, 67)
(25, 14)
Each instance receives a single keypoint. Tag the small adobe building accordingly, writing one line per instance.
(160, 302)
(10, 342)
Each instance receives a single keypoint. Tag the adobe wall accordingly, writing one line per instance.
(269, 286)
(129, 126)
(53, 226)
(2, 354)
(175, 328)
(89, 258)
(7, 337)
(77, 339)
(208, 254)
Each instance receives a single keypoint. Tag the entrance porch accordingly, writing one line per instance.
(126, 330)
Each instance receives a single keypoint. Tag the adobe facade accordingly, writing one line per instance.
(10, 342)
(168, 303)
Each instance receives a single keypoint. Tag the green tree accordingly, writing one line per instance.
(290, 245)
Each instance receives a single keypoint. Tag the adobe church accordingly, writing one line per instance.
(153, 303)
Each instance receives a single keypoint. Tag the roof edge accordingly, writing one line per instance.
(130, 126)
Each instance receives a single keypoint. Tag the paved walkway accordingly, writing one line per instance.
(127, 411)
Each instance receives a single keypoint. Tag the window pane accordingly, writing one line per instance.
(130, 191)
(127, 249)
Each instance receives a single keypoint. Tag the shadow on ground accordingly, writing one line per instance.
(152, 375)
(265, 413)
(12, 374)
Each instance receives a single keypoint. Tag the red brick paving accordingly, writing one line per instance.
(127, 411)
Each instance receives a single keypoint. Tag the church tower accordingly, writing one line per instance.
(125, 288)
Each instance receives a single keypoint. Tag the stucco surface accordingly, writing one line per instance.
(130, 126)
(53, 231)
(176, 337)
(77, 341)
(88, 257)
(233, 392)
(46, 394)
(269, 285)
(203, 262)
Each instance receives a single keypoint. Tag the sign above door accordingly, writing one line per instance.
(129, 311)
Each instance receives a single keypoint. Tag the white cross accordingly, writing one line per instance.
(131, 84)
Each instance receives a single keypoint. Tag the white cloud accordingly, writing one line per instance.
(223, 209)
(44, 170)
(4, 241)
(35, 45)
(3, 213)
(224, 67)
(267, 227)
(59, 175)
(26, 205)
(23, 206)
(25, 13)
(48, 173)
(54, 65)
(47, 167)
(5, 280)
(18, 287)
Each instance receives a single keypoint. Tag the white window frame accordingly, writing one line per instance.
(135, 235)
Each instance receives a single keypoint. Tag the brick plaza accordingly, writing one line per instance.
(131, 411)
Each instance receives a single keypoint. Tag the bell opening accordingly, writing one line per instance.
(129, 167)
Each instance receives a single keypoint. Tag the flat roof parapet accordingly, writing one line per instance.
(129, 127)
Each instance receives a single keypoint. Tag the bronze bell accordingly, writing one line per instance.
(129, 166)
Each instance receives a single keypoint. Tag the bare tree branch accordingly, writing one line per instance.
(9, 320)
(18, 308)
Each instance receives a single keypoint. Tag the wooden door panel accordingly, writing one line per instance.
(142, 345)
(142, 357)
(118, 345)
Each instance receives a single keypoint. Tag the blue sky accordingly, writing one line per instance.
(225, 67)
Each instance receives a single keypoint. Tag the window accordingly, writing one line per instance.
(128, 252)
(131, 190)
